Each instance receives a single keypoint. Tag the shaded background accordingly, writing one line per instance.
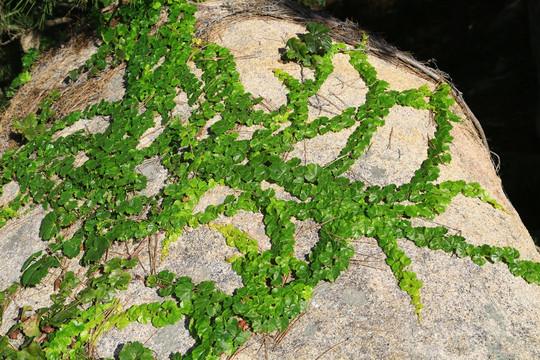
(485, 48)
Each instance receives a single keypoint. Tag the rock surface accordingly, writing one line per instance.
(470, 312)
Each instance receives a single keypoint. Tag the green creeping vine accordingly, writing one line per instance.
(27, 61)
(103, 195)
(309, 48)
(33, 125)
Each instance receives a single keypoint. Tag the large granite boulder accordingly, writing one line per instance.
(315, 201)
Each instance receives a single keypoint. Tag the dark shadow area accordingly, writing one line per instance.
(11, 66)
(486, 49)
(65, 21)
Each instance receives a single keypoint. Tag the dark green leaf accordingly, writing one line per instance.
(49, 226)
(38, 270)
(135, 351)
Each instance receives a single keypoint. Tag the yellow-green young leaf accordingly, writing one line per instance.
(31, 326)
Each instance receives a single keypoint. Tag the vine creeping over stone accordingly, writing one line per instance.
(103, 194)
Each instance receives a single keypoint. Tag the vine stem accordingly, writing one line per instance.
(438, 76)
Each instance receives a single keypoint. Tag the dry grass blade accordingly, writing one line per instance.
(282, 335)
(332, 348)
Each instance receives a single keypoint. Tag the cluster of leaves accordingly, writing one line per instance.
(103, 197)
(7, 213)
(70, 329)
(27, 60)
(135, 351)
(309, 48)
(34, 124)
(73, 329)
(11, 210)
(213, 320)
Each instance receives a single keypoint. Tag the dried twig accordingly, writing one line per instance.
(282, 334)
(332, 348)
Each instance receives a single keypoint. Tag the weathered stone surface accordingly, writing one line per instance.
(471, 312)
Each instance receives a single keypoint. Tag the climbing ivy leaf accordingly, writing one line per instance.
(38, 270)
(135, 351)
(49, 226)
